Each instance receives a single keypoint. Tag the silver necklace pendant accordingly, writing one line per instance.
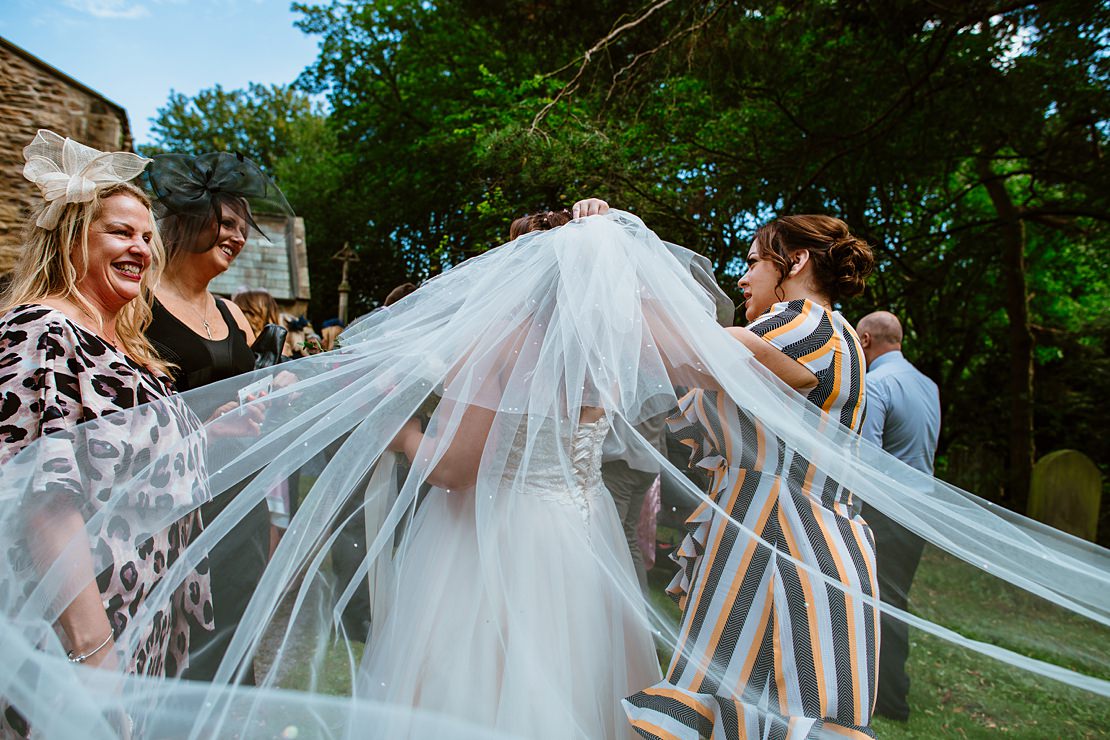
(207, 328)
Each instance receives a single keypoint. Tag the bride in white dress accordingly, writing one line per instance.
(523, 616)
(522, 611)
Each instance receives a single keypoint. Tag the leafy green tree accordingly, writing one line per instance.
(913, 122)
(260, 122)
(965, 141)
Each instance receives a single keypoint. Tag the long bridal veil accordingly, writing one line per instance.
(497, 584)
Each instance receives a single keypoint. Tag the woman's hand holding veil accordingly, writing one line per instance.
(589, 207)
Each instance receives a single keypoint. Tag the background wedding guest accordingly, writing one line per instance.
(205, 208)
(398, 293)
(73, 348)
(262, 314)
(329, 333)
(259, 308)
(349, 548)
(903, 417)
(628, 475)
(302, 340)
(391, 297)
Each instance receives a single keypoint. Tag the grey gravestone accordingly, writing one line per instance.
(1065, 493)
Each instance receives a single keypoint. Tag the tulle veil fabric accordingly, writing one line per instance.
(506, 608)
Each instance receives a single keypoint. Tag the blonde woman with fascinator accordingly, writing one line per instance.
(73, 349)
(205, 206)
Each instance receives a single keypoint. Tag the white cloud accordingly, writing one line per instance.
(116, 9)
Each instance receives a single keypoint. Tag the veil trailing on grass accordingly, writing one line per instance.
(495, 576)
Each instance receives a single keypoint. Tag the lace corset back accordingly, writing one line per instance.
(546, 475)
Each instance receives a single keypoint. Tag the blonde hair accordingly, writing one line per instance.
(259, 307)
(328, 335)
(48, 270)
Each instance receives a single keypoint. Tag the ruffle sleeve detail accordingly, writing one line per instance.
(689, 425)
(688, 553)
(697, 425)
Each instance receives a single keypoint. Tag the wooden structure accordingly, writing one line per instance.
(346, 256)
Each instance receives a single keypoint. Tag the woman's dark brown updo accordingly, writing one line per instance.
(543, 221)
(840, 262)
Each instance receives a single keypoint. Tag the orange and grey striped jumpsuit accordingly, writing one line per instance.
(766, 649)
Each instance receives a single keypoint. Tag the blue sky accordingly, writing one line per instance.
(135, 51)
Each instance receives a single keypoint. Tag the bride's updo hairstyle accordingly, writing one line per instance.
(841, 262)
(544, 221)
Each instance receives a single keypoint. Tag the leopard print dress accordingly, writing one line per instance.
(56, 375)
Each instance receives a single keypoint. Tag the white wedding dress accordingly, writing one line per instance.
(538, 634)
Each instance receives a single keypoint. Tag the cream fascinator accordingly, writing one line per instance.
(70, 172)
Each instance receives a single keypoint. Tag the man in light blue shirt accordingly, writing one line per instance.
(902, 417)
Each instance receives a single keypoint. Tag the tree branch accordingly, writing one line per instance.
(588, 55)
(667, 42)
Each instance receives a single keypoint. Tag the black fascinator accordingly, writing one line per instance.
(191, 191)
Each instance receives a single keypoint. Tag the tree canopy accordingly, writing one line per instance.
(965, 141)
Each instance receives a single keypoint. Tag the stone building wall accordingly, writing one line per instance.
(35, 95)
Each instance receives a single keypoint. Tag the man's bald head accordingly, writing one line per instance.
(879, 332)
(883, 326)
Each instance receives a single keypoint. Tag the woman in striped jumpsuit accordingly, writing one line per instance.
(767, 649)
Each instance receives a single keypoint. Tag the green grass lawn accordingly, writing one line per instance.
(955, 692)
(958, 693)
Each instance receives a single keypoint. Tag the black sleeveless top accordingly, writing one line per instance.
(199, 361)
(237, 561)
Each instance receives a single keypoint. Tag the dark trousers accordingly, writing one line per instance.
(236, 564)
(347, 555)
(629, 487)
(898, 553)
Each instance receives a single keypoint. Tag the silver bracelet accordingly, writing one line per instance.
(82, 658)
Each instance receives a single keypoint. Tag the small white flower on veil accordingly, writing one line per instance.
(67, 171)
